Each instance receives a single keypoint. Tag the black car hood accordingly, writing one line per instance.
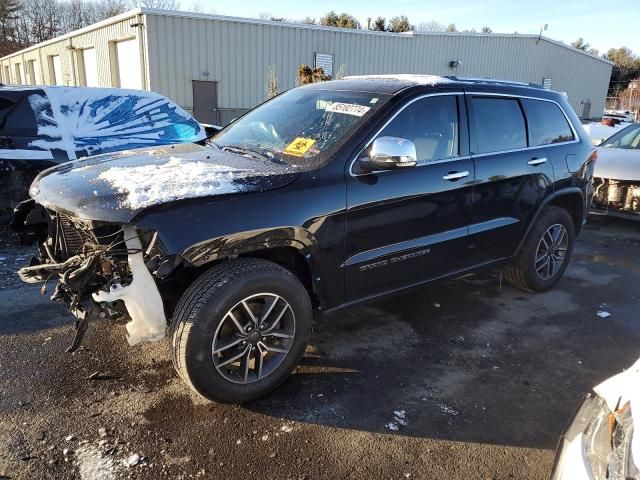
(117, 187)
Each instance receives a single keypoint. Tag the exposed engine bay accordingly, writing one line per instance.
(102, 270)
(617, 196)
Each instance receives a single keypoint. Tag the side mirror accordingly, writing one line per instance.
(389, 153)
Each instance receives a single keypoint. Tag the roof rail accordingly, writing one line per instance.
(493, 81)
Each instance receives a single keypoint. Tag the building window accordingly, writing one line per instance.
(546, 83)
(324, 61)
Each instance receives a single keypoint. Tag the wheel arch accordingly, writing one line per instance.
(571, 199)
(292, 248)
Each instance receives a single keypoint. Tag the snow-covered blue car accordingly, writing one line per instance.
(44, 126)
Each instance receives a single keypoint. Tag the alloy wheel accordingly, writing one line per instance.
(253, 338)
(552, 251)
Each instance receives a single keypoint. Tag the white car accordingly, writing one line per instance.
(617, 174)
(627, 115)
(600, 442)
(599, 132)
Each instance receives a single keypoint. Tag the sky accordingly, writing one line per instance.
(603, 24)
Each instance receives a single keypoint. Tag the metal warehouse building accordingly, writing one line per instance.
(216, 66)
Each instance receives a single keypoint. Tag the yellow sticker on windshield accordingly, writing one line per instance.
(299, 146)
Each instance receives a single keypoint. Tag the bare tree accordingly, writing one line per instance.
(432, 26)
(486, 30)
(273, 86)
(8, 36)
(110, 8)
(452, 27)
(160, 4)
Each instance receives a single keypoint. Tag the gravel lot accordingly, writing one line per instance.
(461, 379)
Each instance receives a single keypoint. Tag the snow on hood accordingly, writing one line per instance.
(148, 185)
(103, 120)
(116, 187)
(618, 163)
(617, 391)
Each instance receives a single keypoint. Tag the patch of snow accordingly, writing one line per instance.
(603, 314)
(399, 420)
(407, 77)
(176, 179)
(286, 428)
(93, 466)
(448, 410)
(24, 154)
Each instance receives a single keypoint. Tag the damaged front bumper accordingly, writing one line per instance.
(101, 272)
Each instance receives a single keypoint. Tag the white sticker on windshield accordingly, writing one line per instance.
(348, 108)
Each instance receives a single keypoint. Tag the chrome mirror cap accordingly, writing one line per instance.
(389, 153)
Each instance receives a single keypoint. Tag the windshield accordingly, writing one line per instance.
(627, 138)
(302, 127)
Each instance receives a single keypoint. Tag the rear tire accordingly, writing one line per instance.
(546, 252)
(227, 314)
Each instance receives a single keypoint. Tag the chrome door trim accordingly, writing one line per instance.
(576, 137)
(537, 161)
(456, 175)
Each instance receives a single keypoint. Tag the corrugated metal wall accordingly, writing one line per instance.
(236, 53)
(68, 47)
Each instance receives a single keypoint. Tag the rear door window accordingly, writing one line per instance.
(547, 124)
(497, 125)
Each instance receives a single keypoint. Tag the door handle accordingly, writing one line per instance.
(537, 161)
(452, 176)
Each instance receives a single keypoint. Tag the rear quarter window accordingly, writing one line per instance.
(547, 124)
(498, 125)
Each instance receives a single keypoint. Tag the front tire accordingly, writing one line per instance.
(545, 253)
(240, 330)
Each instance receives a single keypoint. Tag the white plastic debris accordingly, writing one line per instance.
(133, 460)
(392, 426)
(141, 297)
(70, 438)
(603, 314)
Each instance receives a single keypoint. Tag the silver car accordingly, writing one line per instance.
(617, 174)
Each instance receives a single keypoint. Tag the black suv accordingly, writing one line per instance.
(323, 197)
